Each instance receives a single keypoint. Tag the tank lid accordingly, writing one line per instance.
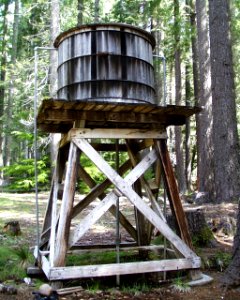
(105, 26)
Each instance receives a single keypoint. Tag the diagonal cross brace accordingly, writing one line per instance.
(125, 188)
(110, 199)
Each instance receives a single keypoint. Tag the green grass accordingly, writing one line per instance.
(15, 254)
(136, 287)
(99, 258)
(12, 264)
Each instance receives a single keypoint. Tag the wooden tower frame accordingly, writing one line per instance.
(142, 126)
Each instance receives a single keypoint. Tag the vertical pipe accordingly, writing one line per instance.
(35, 141)
(35, 105)
(165, 240)
(164, 82)
(117, 217)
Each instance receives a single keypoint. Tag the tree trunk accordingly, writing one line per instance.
(232, 274)
(195, 59)
(225, 136)
(3, 76)
(7, 152)
(187, 134)
(55, 30)
(80, 12)
(204, 119)
(96, 11)
(195, 69)
(178, 96)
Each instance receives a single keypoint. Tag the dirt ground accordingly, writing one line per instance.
(211, 291)
(214, 214)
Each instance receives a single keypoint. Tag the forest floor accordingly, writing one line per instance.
(21, 207)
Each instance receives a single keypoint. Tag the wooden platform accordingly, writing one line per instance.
(58, 115)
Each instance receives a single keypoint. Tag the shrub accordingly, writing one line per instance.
(22, 175)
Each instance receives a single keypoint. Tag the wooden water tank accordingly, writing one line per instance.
(106, 62)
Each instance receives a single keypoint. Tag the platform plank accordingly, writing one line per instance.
(123, 268)
(58, 116)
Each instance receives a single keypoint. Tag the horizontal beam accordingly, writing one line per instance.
(117, 133)
(63, 273)
(98, 116)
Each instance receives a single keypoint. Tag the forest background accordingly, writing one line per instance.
(199, 42)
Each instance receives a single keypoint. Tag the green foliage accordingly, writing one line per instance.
(24, 256)
(203, 238)
(93, 287)
(94, 172)
(223, 259)
(22, 175)
(13, 263)
(136, 288)
(179, 285)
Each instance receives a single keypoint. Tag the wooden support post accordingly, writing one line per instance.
(172, 191)
(66, 207)
(54, 220)
(56, 180)
(141, 222)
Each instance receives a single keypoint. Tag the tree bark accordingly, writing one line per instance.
(80, 12)
(7, 152)
(178, 96)
(96, 11)
(204, 119)
(55, 30)
(225, 135)
(232, 274)
(192, 18)
(188, 128)
(3, 76)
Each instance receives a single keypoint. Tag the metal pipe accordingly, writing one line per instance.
(164, 77)
(117, 217)
(35, 135)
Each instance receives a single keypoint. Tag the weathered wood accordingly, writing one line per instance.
(109, 200)
(97, 191)
(115, 133)
(43, 262)
(165, 116)
(57, 178)
(54, 218)
(126, 189)
(12, 228)
(66, 207)
(123, 268)
(92, 218)
(172, 191)
(145, 184)
(99, 116)
(142, 223)
(70, 290)
(110, 70)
